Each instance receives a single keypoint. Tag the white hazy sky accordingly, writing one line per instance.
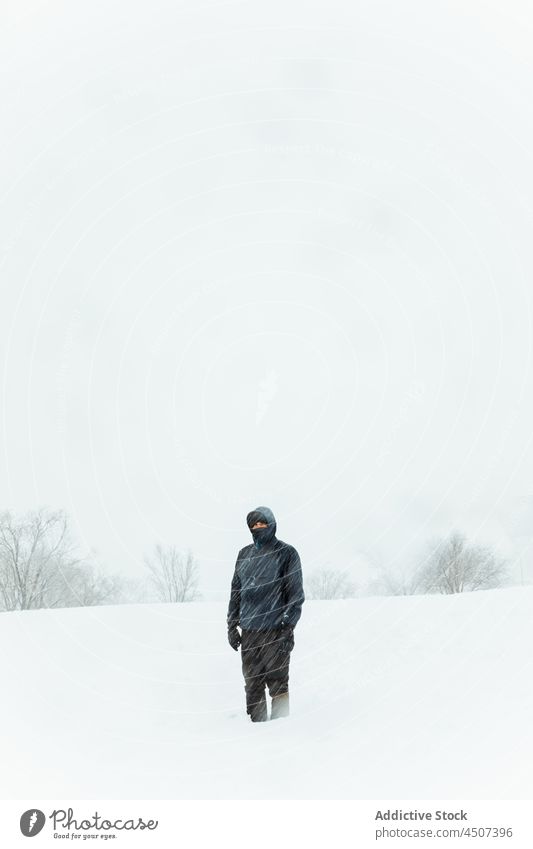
(268, 254)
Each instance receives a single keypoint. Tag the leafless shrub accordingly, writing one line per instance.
(329, 584)
(454, 565)
(40, 566)
(174, 575)
(33, 550)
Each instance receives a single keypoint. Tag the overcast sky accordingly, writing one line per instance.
(269, 254)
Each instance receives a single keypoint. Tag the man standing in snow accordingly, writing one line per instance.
(266, 602)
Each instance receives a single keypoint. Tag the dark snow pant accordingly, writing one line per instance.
(265, 661)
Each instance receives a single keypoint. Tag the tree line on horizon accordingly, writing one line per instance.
(40, 567)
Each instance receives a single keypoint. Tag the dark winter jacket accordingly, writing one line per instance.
(266, 590)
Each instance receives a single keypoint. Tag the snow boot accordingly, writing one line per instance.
(280, 706)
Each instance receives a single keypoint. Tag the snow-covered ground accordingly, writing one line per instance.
(409, 697)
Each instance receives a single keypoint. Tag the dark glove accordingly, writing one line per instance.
(287, 638)
(234, 638)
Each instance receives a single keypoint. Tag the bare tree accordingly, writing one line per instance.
(33, 550)
(173, 575)
(399, 582)
(133, 590)
(329, 584)
(84, 586)
(39, 566)
(456, 566)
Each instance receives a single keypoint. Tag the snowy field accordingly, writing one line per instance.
(405, 697)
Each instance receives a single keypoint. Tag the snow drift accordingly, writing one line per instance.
(396, 697)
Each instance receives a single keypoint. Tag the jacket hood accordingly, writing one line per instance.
(262, 535)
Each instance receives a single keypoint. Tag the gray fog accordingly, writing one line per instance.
(269, 254)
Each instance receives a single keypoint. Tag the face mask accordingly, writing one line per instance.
(261, 535)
